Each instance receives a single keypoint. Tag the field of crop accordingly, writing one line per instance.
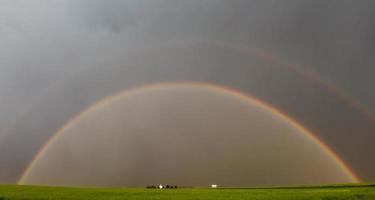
(296, 193)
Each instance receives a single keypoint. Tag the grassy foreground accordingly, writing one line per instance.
(301, 193)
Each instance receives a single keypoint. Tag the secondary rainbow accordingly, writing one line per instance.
(215, 88)
(305, 73)
(275, 60)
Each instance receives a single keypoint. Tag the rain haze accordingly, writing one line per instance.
(300, 64)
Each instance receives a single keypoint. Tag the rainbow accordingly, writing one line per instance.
(305, 73)
(215, 88)
(276, 60)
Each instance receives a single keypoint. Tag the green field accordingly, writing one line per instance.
(300, 193)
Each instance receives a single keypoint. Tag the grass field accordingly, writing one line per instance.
(300, 193)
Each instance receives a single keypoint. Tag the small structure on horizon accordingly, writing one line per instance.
(214, 186)
(159, 187)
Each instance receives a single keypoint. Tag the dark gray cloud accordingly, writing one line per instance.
(56, 58)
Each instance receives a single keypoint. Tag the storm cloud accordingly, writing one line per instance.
(57, 58)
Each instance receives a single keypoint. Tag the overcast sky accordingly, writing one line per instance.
(59, 57)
